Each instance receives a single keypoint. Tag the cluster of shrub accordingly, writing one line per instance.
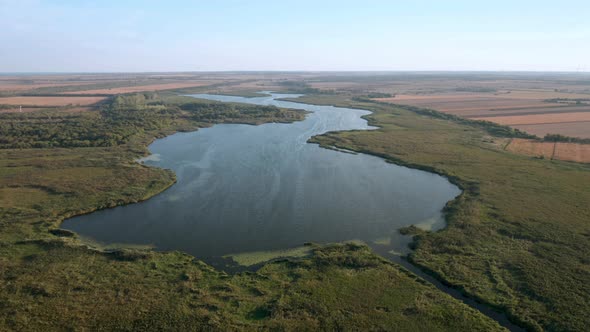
(379, 95)
(50, 130)
(368, 96)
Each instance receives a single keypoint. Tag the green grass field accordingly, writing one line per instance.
(52, 280)
(517, 239)
(59, 285)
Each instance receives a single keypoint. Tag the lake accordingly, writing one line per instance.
(244, 188)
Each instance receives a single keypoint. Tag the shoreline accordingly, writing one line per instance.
(419, 270)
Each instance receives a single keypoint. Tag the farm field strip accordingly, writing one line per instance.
(551, 150)
(539, 118)
(577, 129)
(35, 109)
(8, 86)
(535, 111)
(139, 88)
(49, 101)
(480, 104)
(572, 152)
(532, 148)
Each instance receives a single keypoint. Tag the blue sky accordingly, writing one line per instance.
(96, 36)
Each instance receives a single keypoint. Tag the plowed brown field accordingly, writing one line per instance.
(572, 152)
(578, 129)
(532, 148)
(36, 109)
(539, 118)
(549, 150)
(458, 103)
(50, 101)
(7, 86)
(139, 88)
(527, 110)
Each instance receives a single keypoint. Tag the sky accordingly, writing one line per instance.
(231, 35)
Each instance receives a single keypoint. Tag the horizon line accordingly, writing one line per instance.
(294, 71)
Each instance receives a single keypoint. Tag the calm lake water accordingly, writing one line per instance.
(245, 188)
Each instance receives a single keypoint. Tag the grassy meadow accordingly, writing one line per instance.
(51, 280)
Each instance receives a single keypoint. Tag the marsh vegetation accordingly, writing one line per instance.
(45, 271)
(517, 239)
